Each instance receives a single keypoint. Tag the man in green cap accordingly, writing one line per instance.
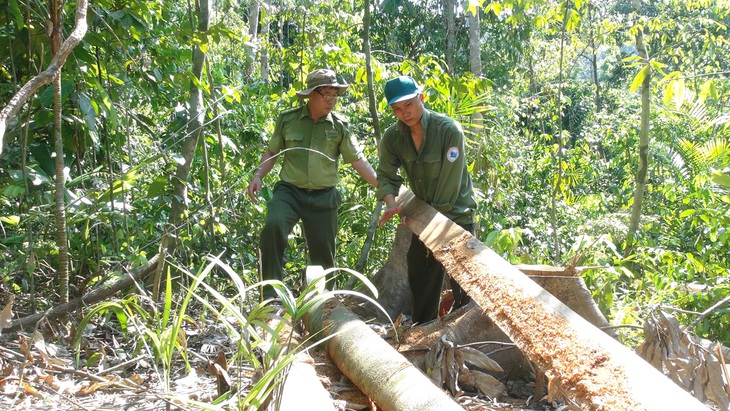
(429, 147)
(310, 138)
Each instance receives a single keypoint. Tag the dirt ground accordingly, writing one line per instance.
(38, 374)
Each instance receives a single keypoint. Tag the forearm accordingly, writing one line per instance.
(268, 160)
(366, 171)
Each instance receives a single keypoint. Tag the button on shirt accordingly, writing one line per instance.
(437, 174)
(312, 149)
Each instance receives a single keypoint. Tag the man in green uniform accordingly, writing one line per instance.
(429, 147)
(310, 138)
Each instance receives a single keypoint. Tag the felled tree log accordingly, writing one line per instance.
(302, 388)
(593, 369)
(380, 372)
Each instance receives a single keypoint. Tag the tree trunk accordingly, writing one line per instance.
(253, 31)
(643, 147)
(450, 23)
(475, 51)
(380, 372)
(558, 184)
(594, 57)
(194, 130)
(55, 9)
(264, 61)
(585, 364)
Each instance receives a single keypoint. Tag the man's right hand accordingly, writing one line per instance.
(254, 188)
(391, 208)
(388, 213)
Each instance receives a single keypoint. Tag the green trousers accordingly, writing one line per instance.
(317, 210)
(425, 277)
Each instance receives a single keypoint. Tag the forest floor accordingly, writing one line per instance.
(36, 373)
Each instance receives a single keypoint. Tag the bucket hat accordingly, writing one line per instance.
(323, 78)
(401, 88)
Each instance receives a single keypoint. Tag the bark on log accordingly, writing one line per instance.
(380, 372)
(91, 297)
(595, 370)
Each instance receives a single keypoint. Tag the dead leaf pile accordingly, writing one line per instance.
(695, 364)
(448, 365)
(41, 370)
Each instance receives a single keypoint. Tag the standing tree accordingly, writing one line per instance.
(55, 28)
(450, 24)
(643, 78)
(195, 124)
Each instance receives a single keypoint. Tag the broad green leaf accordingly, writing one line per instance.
(639, 79)
(675, 93)
(12, 220)
(17, 14)
(721, 179)
(686, 213)
(88, 110)
(708, 89)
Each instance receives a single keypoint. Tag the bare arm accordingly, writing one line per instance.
(363, 167)
(268, 160)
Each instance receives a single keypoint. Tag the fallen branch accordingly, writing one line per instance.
(91, 297)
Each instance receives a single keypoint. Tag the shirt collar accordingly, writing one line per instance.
(304, 112)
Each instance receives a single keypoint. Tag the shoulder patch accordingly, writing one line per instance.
(452, 154)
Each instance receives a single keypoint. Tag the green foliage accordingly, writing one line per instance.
(126, 86)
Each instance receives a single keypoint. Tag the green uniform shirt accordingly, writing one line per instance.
(312, 149)
(437, 174)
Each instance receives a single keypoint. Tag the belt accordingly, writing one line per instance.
(308, 190)
(316, 191)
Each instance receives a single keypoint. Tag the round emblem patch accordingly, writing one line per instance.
(452, 154)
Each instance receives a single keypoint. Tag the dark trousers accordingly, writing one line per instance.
(317, 209)
(425, 277)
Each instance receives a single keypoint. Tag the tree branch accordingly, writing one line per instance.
(46, 76)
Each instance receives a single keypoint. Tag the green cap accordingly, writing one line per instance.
(401, 88)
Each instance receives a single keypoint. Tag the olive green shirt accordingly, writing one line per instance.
(312, 150)
(437, 174)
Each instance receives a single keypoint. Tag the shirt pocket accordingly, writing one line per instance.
(431, 163)
(293, 139)
(329, 144)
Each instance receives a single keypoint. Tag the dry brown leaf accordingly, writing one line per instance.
(24, 346)
(96, 386)
(477, 359)
(219, 368)
(28, 389)
(451, 368)
(485, 383)
(6, 315)
(555, 391)
(433, 363)
(137, 379)
(7, 369)
(686, 359)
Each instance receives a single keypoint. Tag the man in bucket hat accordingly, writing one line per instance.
(310, 139)
(429, 148)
